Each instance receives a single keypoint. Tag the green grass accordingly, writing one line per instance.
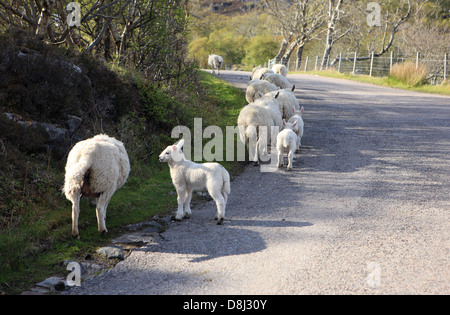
(443, 88)
(34, 249)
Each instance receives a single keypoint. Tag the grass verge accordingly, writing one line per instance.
(36, 248)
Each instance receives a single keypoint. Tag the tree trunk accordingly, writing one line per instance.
(282, 51)
(299, 56)
(44, 18)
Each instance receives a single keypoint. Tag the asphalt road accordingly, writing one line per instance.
(365, 210)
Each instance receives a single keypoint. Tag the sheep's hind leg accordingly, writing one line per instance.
(220, 204)
(75, 213)
(102, 205)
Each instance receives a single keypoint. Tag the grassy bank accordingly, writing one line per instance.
(385, 81)
(34, 248)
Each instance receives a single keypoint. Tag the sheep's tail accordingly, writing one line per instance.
(226, 182)
(74, 178)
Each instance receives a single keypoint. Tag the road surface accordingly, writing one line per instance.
(365, 211)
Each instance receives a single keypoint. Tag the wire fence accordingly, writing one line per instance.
(436, 65)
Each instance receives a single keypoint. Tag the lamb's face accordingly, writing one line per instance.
(166, 155)
(172, 153)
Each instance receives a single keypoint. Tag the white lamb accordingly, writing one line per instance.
(215, 62)
(276, 79)
(95, 168)
(287, 142)
(299, 128)
(281, 69)
(258, 72)
(261, 86)
(188, 176)
(265, 113)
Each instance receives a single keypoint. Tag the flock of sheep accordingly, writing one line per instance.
(98, 166)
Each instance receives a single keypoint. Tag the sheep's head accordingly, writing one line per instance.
(173, 153)
(288, 125)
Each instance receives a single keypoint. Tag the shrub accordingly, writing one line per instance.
(409, 74)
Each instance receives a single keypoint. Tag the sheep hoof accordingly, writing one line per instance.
(220, 221)
(77, 237)
(255, 163)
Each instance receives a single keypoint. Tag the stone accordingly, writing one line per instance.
(112, 251)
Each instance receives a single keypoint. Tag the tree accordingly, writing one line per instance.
(298, 23)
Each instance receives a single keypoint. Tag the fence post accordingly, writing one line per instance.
(340, 60)
(306, 63)
(445, 66)
(391, 61)
(354, 62)
(317, 61)
(417, 60)
(371, 64)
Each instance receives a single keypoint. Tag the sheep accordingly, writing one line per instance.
(276, 79)
(256, 86)
(215, 62)
(95, 168)
(287, 142)
(287, 102)
(299, 128)
(280, 69)
(264, 112)
(188, 176)
(258, 72)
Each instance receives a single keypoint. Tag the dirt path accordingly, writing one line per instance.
(366, 209)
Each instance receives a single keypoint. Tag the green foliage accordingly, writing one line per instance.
(260, 49)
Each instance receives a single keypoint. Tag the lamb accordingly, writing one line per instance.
(286, 142)
(95, 168)
(280, 69)
(264, 112)
(188, 176)
(215, 62)
(276, 79)
(261, 86)
(258, 72)
(299, 128)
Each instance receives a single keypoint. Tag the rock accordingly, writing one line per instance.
(51, 284)
(112, 251)
(87, 269)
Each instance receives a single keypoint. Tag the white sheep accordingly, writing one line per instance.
(280, 69)
(188, 176)
(276, 79)
(253, 119)
(215, 62)
(299, 128)
(261, 86)
(287, 142)
(287, 102)
(95, 168)
(258, 72)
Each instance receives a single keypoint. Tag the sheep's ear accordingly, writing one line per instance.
(262, 77)
(276, 96)
(301, 110)
(250, 78)
(293, 88)
(284, 122)
(295, 123)
(180, 144)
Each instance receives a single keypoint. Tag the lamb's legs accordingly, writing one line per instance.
(220, 204)
(291, 158)
(187, 203)
(280, 157)
(180, 198)
(75, 213)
